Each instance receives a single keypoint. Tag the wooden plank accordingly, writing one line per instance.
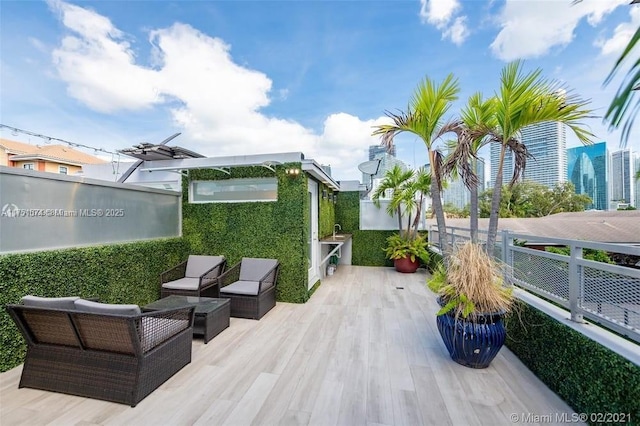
(359, 352)
(251, 402)
(327, 407)
(379, 401)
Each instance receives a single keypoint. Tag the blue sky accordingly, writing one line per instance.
(240, 77)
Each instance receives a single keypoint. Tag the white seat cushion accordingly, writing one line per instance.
(249, 288)
(50, 302)
(183, 284)
(106, 308)
(253, 269)
(198, 265)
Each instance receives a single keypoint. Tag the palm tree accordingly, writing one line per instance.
(396, 180)
(422, 185)
(622, 106)
(523, 100)
(477, 119)
(425, 118)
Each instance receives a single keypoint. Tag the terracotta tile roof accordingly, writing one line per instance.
(602, 226)
(15, 147)
(58, 153)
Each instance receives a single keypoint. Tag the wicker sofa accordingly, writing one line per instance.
(109, 352)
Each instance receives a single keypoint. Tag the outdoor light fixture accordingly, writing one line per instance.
(292, 173)
(324, 194)
(335, 198)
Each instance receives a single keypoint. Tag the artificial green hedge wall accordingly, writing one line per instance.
(119, 273)
(348, 211)
(368, 248)
(586, 375)
(277, 230)
(326, 214)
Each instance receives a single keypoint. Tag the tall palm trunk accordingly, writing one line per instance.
(495, 204)
(473, 207)
(416, 221)
(399, 220)
(436, 204)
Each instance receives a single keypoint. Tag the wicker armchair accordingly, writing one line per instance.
(251, 286)
(197, 276)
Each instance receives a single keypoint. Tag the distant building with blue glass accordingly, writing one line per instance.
(587, 170)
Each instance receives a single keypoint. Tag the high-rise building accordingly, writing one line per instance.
(458, 194)
(621, 179)
(587, 170)
(636, 181)
(547, 144)
(377, 150)
(387, 161)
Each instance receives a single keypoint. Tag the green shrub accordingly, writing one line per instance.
(586, 375)
(119, 273)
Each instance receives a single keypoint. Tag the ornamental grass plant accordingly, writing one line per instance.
(472, 285)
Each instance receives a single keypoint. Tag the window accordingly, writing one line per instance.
(234, 190)
(62, 170)
(28, 166)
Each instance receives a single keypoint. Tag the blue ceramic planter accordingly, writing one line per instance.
(472, 344)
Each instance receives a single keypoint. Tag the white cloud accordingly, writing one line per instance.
(531, 28)
(621, 35)
(458, 31)
(99, 65)
(440, 13)
(215, 101)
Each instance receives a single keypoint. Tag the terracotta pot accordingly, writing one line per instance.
(406, 265)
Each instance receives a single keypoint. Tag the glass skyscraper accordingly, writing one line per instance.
(622, 178)
(458, 194)
(587, 170)
(547, 143)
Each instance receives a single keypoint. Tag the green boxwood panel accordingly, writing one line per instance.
(119, 273)
(347, 212)
(368, 246)
(326, 213)
(585, 374)
(276, 230)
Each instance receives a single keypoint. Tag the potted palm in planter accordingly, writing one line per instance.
(474, 300)
(407, 247)
(406, 253)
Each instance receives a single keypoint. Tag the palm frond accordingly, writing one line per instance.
(520, 156)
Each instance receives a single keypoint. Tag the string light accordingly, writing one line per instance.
(48, 139)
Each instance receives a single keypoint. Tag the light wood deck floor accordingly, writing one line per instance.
(362, 351)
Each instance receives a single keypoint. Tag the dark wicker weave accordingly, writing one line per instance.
(208, 281)
(251, 306)
(116, 358)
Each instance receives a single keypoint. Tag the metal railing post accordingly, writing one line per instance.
(505, 246)
(575, 288)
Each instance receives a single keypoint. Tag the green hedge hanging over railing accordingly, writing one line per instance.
(119, 273)
(585, 374)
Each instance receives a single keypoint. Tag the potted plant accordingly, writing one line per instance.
(406, 252)
(474, 300)
(408, 189)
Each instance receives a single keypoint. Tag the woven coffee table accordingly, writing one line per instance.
(211, 315)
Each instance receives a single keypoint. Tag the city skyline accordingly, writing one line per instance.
(311, 77)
